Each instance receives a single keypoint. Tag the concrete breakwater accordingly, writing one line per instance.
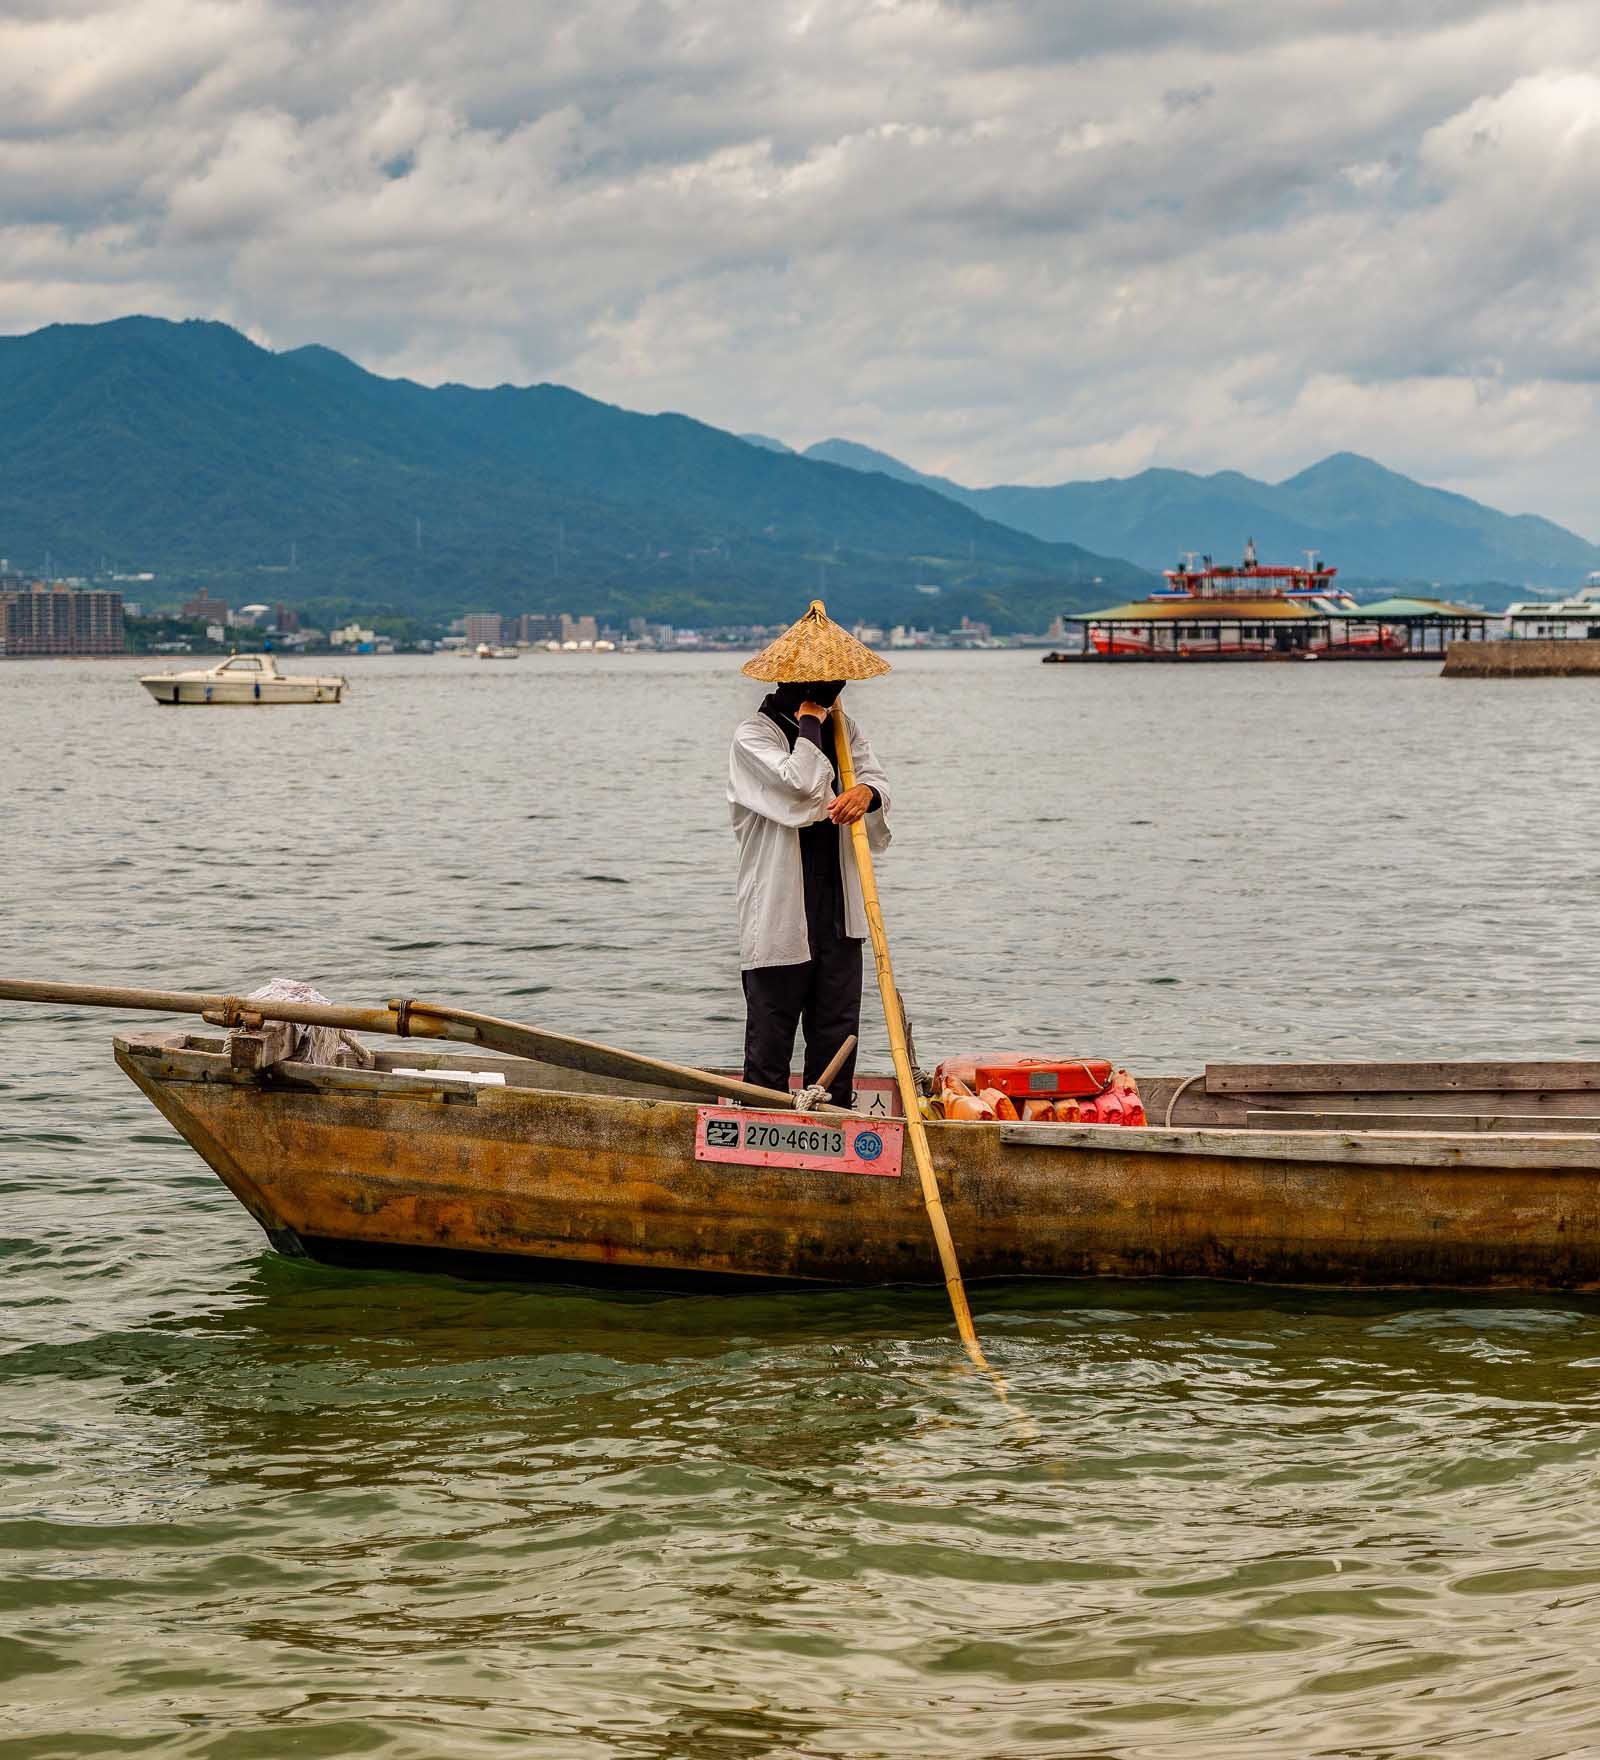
(1564, 658)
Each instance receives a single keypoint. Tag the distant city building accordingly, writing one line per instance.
(285, 621)
(482, 627)
(536, 627)
(352, 636)
(11, 583)
(659, 635)
(56, 619)
(579, 629)
(202, 608)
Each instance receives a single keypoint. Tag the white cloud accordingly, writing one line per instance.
(1006, 239)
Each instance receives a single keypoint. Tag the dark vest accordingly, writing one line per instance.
(819, 843)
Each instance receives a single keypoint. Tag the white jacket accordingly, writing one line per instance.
(772, 792)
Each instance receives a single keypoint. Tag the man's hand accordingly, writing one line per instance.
(846, 808)
(812, 709)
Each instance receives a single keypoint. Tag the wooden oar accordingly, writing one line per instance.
(835, 1064)
(894, 1019)
(415, 1020)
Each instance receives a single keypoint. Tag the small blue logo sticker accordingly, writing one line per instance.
(869, 1145)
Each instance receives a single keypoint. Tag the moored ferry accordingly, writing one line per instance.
(1257, 611)
(1251, 610)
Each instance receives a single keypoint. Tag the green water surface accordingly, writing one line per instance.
(251, 1508)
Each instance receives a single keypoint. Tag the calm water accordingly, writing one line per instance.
(255, 1509)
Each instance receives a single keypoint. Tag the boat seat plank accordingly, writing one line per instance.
(326, 1079)
(1512, 1123)
(1171, 1100)
(1393, 1078)
(530, 1072)
(1548, 1151)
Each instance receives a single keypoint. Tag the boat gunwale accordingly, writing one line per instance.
(1574, 1152)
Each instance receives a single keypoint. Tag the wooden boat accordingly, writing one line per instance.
(1454, 1176)
(243, 680)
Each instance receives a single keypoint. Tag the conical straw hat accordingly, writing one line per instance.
(814, 648)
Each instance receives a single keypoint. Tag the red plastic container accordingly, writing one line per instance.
(1111, 1108)
(1039, 1078)
(999, 1102)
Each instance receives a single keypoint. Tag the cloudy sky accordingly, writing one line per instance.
(1009, 240)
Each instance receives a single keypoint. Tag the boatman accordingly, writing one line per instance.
(801, 919)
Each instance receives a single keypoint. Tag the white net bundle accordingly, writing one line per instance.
(329, 1045)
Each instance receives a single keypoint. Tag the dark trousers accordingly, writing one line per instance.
(824, 996)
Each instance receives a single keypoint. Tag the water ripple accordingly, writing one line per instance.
(251, 1509)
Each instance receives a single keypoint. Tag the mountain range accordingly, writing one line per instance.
(1374, 524)
(187, 450)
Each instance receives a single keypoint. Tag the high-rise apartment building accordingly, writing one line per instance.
(55, 619)
(578, 629)
(482, 626)
(537, 627)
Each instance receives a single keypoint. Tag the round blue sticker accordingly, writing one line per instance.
(869, 1145)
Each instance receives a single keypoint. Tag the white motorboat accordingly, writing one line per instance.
(243, 680)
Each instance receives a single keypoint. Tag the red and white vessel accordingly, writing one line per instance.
(1247, 611)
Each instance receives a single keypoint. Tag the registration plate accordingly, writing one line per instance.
(786, 1139)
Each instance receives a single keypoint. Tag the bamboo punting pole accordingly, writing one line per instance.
(413, 1020)
(894, 1019)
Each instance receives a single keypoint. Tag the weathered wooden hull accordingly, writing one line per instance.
(339, 1163)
